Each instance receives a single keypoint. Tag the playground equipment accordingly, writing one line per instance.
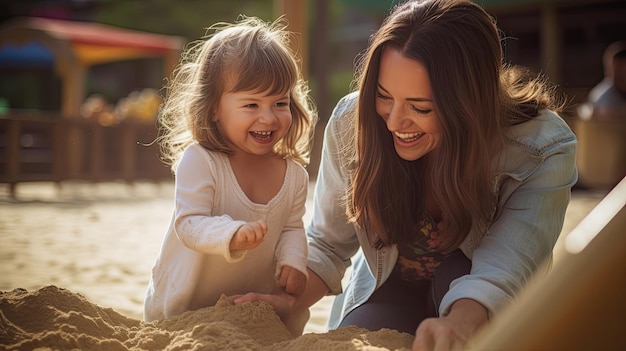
(61, 145)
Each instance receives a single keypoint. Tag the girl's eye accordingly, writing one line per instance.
(282, 104)
(251, 105)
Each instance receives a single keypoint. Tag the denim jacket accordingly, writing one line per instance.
(533, 181)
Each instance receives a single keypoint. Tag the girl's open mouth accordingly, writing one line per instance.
(262, 136)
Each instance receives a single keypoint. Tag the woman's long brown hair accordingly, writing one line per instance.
(475, 98)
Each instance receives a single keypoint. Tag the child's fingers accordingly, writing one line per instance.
(259, 230)
(260, 226)
(249, 236)
(292, 280)
(263, 226)
(284, 275)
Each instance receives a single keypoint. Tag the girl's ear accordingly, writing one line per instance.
(214, 117)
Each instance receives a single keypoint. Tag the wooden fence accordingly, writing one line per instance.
(43, 147)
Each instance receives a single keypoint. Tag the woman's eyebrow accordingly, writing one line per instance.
(416, 99)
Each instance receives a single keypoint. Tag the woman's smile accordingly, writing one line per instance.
(408, 137)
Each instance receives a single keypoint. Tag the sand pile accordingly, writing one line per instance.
(59, 319)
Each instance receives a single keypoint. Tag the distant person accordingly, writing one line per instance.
(601, 127)
(607, 81)
(238, 124)
(607, 100)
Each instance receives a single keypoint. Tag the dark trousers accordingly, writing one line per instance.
(403, 306)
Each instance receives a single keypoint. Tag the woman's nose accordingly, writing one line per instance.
(396, 118)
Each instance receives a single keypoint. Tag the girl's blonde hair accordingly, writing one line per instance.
(257, 56)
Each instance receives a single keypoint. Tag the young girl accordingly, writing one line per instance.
(237, 128)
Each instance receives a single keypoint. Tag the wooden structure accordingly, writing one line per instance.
(60, 145)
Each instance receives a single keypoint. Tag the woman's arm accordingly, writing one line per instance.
(533, 200)
(521, 239)
(537, 173)
(332, 238)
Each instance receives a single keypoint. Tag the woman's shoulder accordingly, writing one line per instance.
(540, 134)
(341, 122)
(346, 104)
(531, 143)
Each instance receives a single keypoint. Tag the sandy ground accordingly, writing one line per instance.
(100, 240)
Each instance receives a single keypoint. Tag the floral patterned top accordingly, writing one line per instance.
(418, 260)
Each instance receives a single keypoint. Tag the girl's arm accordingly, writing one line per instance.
(291, 248)
(196, 227)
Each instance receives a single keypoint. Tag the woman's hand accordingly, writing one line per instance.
(293, 311)
(453, 331)
(283, 305)
(281, 302)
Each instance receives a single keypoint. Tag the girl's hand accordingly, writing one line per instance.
(249, 236)
(453, 331)
(292, 280)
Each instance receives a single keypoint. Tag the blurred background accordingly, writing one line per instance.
(80, 80)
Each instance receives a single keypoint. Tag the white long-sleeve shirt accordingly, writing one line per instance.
(195, 265)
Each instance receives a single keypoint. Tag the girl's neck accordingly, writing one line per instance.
(260, 177)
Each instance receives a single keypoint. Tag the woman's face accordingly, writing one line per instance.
(404, 101)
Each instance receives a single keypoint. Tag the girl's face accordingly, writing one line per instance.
(253, 122)
(404, 101)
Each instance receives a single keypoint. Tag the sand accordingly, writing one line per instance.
(75, 262)
(58, 319)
